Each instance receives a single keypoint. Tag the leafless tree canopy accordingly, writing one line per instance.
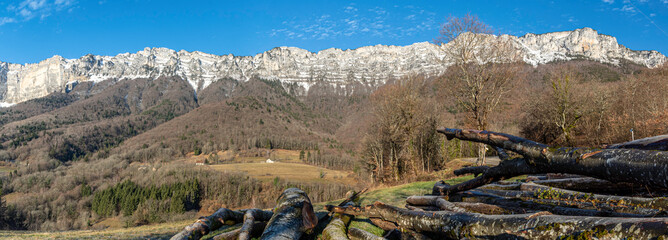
(401, 138)
(454, 26)
(482, 69)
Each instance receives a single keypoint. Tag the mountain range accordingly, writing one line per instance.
(370, 65)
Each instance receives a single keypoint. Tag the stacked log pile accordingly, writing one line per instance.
(614, 192)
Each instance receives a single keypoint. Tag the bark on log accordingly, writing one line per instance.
(646, 167)
(337, 227)
(475, 170)
(204, 225)
(434, 201)
(512, 202)
(588, 184)
(472, 225)
(382, 224)
(442, 204)
(651, 143)
(659, 203)
(505, 169)
(503, 155)
(359, 234)
(256, 231)
(246, 230)
(293, 215)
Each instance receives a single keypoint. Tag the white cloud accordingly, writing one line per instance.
(628, 9)
(29, 9)
(350, 9)
(33, 4)
(652, 14)
(609, 1)
(63, 2)
(352, 21)
(25, 13)
(5, 20)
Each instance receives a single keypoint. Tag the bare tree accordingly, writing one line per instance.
(481, 68)
(402, 136)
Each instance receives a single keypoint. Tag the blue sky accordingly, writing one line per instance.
(33, 30)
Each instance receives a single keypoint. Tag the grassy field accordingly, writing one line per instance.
(286, 166)
(156, 231)
(395, 195)
(288, 171)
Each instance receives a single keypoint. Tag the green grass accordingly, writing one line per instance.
(223, 229)
(396, 196)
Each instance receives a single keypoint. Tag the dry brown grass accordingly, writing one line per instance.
(155, 231)
(14, 197)
(287, 166)
(298, 172)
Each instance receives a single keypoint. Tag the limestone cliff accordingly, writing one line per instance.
(370, 65)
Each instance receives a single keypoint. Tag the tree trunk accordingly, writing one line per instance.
(441, 204)
(249, 222)
(482, 149)
(256, 231)
(293, 215)
(659, 143)
(588, 184)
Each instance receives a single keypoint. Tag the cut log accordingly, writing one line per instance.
(359, 234)
(503, 155)
(659, 203)
(382, 224)
(434, 201)
(336, 229)
(256, 231)
(293, 215)
(512, 201)
(246, 230)
(472, 225)
(475, 170)
(505, 169)
(646, 167)
(223, 216)
(443, 205)
(651, 143)
(588, 184)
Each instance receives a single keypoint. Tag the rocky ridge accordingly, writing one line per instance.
(370, 65)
